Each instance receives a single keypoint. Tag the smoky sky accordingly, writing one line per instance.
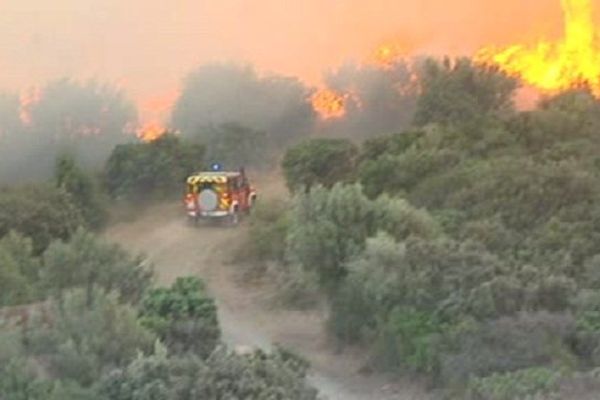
(148, 46)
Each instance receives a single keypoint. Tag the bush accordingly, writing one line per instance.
(157, 169)
(522, 384)
(319, 161)
(83, 190)
(235, 146)
(18, 270)
(85, 340)
(42, 213)
(327, 228)
(510, 344)
(407, 338)
(224, 375)
(87, 261)
(269, 224)
(183, 316)
(460, 92)
(400, 174)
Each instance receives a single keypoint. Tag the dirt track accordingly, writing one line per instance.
(245, 315)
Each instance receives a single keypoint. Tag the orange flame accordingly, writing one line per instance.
(150, 132)
(329, 104)
(27, 100)
(389, 53)
(153, 110)
(572, 62)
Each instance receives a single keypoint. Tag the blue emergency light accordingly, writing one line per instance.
(216, 167)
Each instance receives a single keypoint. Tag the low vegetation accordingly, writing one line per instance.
(154, 170)
(463, 250)
(80, 318)
(467, 249)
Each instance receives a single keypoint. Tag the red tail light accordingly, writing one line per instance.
(190, 202)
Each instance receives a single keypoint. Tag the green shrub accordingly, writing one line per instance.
(83, 190)
(85, 340)
(328, 228)
(88, 261)
(509, 344)
(157, 169)
(518, 385)
(463, 93)
(42, 213)
(269, 224)
(408, 339)
(224, 375)
(183, 316)
(319, 162)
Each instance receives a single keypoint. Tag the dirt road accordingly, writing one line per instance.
(244, 313)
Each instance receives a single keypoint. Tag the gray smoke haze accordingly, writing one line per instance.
(88, 119)
(381, 100)
(147, 47)
(219, 94)
(85, 119)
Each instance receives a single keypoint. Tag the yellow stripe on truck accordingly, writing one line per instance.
(194, 180)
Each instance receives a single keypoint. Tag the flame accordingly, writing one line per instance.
(150, 131)
(387, 54)
(27, 99)
(329, 104)
(153, 110)
(572, 62)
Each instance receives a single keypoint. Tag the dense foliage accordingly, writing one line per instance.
(183, 317)
(469, 251)
(41, 212)
(84, 191)
(457, 92)
(86, 325)
(157, 169)
(234, 146)
(319, 161)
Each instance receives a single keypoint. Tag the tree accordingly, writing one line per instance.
(459, 92)
(319, 161)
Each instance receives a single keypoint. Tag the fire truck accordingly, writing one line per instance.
(216, 194)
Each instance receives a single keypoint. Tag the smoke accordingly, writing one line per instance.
(85, 119)
(148, 45)
(379, 99)
(145, 47)
(219, 94)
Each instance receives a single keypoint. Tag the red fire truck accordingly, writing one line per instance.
(219, 195)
